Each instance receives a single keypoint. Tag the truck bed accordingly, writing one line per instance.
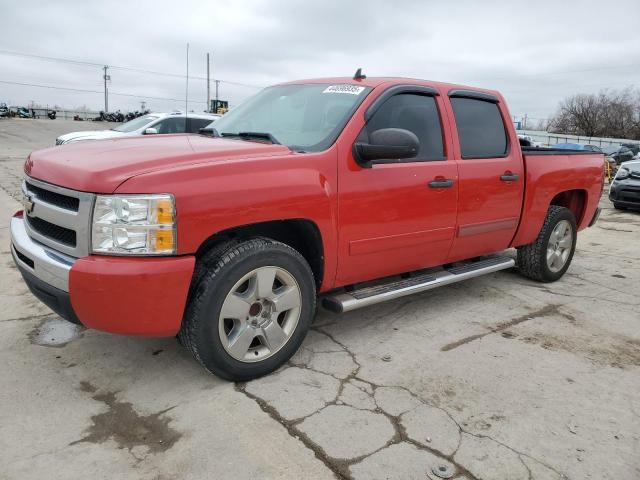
(554, 151)
(583, 173)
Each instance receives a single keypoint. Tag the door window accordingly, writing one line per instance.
(170, 125)
(416, 113)
(480, 128)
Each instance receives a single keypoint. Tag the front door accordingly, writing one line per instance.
(398, 217)
(491, 176)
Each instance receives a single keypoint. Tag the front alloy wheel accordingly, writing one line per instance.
(250, 307)
(259, 314)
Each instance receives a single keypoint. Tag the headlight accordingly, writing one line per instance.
(134, 225)
(622, 174)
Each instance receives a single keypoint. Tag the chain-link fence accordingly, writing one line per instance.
(546, 139)
(41, 112)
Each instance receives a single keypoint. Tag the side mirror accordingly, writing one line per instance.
(388, 145)
(151, 131)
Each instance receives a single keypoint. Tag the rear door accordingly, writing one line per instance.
(398, 217)
(491, 175)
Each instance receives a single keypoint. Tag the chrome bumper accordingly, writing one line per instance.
(46, 264)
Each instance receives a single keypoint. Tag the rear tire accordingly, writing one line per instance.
(617, 206)
(250, 310)
(548, 258)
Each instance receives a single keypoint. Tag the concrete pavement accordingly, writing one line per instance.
(496, 378)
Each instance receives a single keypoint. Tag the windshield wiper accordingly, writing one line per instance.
(253, 135)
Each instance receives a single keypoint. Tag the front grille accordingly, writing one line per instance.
(53, 198)
(58, 217)
(55, 232)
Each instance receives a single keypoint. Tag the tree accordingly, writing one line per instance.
(610, 113)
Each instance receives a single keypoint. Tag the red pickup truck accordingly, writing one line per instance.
(358, 190)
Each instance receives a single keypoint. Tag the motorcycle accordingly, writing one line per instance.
(51, 114)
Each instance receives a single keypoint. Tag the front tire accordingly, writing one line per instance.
(250, 309)
(548, 258)
(617, 206)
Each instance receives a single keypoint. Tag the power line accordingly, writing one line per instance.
(118, 67)
(81, 90)
(53, 59)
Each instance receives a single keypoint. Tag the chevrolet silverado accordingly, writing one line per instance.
(352, 190)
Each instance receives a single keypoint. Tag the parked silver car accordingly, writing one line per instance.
(150, 124)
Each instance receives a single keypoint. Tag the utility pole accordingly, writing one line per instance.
(525, 122)
(106, 91)
(186, 92)
(208, 86)
(217, 83)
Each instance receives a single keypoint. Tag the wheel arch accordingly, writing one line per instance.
(574, 200)
(300, 234)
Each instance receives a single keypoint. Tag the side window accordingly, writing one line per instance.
(416, 113)
(195, 124)
(170, 125)
(480, 128)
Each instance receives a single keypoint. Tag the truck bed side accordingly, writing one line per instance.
(552, 177)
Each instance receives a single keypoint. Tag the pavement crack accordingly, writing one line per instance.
(529, 474)
(338, 469)
(517, 452)
(461, 429)
(344, 347)
(30, 317)
(615, 301)
(543, 312)
(341, 466)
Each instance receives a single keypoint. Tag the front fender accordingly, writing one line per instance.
(213, 197)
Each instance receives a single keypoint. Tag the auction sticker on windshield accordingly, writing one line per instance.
(350, 89)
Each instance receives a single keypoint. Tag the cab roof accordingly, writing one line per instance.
(374, 82)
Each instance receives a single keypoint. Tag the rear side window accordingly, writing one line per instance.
(195, 124)
(416, 113)
(480, 128)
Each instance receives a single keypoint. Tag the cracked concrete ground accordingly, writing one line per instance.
(496, 378)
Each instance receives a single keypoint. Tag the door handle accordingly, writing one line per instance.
(441, 183)
(509, 177)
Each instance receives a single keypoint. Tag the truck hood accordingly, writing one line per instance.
(89, 135)
(101, 166)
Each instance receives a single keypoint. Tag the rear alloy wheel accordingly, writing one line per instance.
(549, 257)
(559, 246)
(250, 308)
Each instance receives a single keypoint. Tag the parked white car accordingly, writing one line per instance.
(529, 139)
(150, 124)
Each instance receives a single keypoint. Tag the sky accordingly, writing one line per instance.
(536, 53)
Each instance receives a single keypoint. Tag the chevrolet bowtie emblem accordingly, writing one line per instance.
(28, 204)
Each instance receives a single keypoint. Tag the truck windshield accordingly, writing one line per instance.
(304, 117)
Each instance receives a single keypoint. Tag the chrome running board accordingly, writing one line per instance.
(345, 301)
